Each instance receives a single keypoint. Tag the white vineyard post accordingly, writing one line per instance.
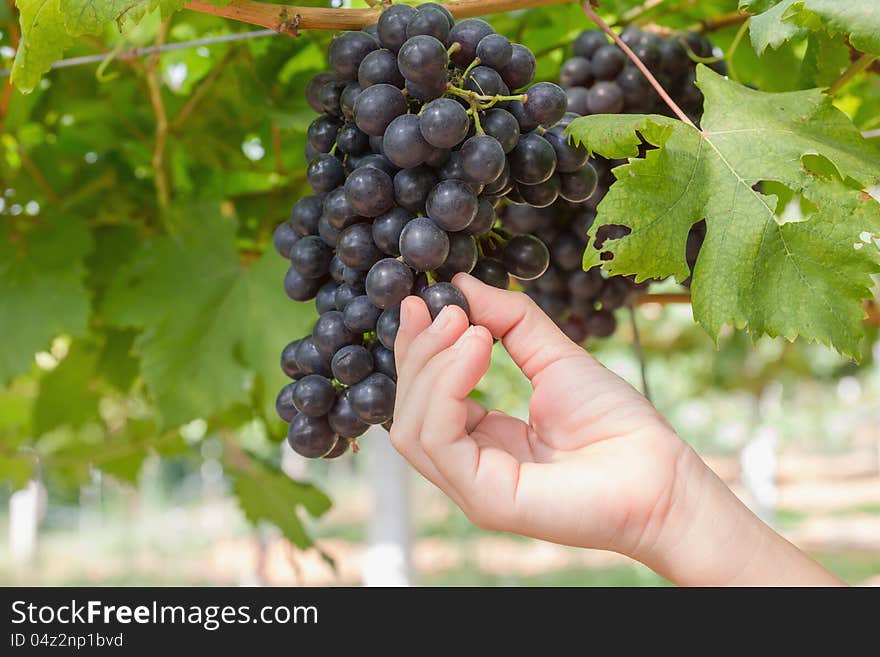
(388, 558)
(26, 509)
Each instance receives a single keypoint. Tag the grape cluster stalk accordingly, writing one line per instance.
(426, 126)
(600, 79)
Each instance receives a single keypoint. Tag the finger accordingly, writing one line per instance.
(529, 335)
(441, 334)
(414, 318)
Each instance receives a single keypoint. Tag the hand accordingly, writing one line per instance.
(596, 465)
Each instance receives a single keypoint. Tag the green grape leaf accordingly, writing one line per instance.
(68, 394)
(755, 270)
(210, 323)
(41, 290)
(788, 19)
(267, 495)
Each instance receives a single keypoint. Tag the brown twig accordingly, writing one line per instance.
(593, 16)
(715, 23)
(158, 161)
(288, 19)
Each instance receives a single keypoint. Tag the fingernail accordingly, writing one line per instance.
(462, 341)
(442, 320)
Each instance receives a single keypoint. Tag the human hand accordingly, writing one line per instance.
(596, 465)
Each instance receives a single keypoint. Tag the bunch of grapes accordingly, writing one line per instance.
(600, 79)
(425, 126)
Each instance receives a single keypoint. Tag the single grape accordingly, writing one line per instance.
(310, 360)
(569, 157)
(356, 248)
(546, 103)
(468, 33)
(370, 191)
(444, 123)
(347, 99)
(673, 56)
(342, 418)
(300, 288)
(526, 219)
(383, 360)
(351, 140)
(325, 300)
(305, 215)
(578, 186)
(533, 160)
(607, 62)
(525, 257)
(338, 210)
(313, 395)
(342, 444)
(440, 295)
(403, 143)
(351, 364)
(288, 360)
(330, 97)
(442, 9)
(311, 437)
(347, 50)
(379, 67)
(391, 26)
(462, 256)
(337, 269)
(452, 205)
(492, 272)
(520, 70)
(577, 100)
(542, 194)
(360, 315)
(524, 120)
(576, 72)
(482, 159)
(324, 173)
(388, 283)
(313, 90)
(284, 403)
(377, 106)
(422, 59)
(310, 257)
(485, 81)
(503, 126)
(373, 398)
(412, 186)
(386, 327)
(284, 237)
(322, 132)
(588, 42)
(452, 169)
(483, 221)
(330, 334)
(494, 50)
(345, 294)
(386, 230)
(423, 244)
(601, 324)
(429, 21)
(500, 186)
(605, 98)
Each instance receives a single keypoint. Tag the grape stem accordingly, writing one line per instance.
(474, 96)
(475, 112)
(593, 16)
(455, 47)
(469, 68)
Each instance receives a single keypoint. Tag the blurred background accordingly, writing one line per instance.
(140, 327)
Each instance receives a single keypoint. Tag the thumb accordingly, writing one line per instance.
(529, 335)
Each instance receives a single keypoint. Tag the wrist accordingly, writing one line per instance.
(708, 537)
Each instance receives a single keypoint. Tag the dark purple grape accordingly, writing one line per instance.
(330, 97)
(482, 159)
(426, 91)
(577, 100)
(383, 360)
(305, 215)
(337, 269)
(438, 157)
(387, 326)
(347, 50)
(569, 157)
(422, 59)
(379, 67)
(574, 328)
(492, 272)
(370, 191)
(576, 72)
(330, 334)
(485, 81)
(313, 395)
(310, 257)
(520, 70)
(483, 221)
(452, 169)
(452, 205)
(373, 398)
(567, 251)
(322, 133)
(605, 98)
(542, 194)
(468, 34)
(533, 160)
(462, 256)
(412, 186)
(546, 103)
(347, 99)
(288, 360)
(300, 288)
(310, 360)
(494, 50)
(356, 248)
(377, 106)
(585, 284)
(360, 315)
(325, 173)
(503, 126)
(429, 21)
(607, 62)
(342, 418)
(378, 162)
(403, 143)
(338, 210)
(442, 9)
(386, 230)
(325, 300)
(351, 364)
(284, 403)
(525, 121)
(313, 90)
(444, 123)
(351, 140)
(423, 244)
(391, 26)
(342, 444)
(525, 257)
(440, 295)
(355, 277)
(311, 437)
(283, 238)
(345, 294)
(673, 57)
(601, 324)
(588, 42)
(577, 187)
(388, 283)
